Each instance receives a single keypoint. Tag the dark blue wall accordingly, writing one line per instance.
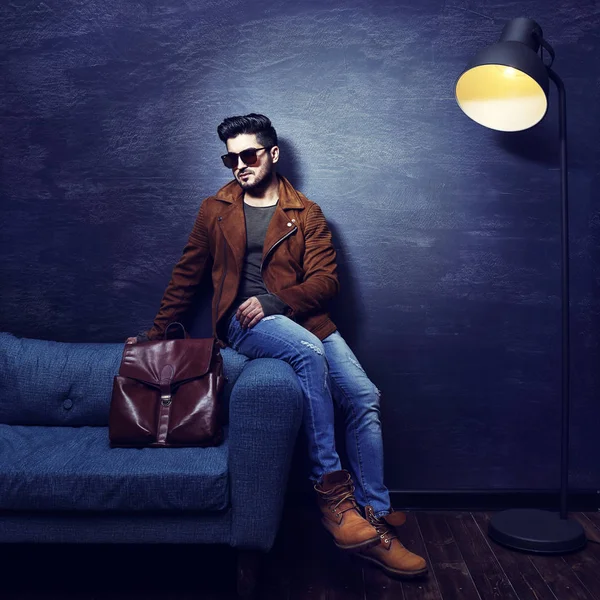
(448, 233)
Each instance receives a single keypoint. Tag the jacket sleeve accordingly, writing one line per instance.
(320, 283)
(185, 278)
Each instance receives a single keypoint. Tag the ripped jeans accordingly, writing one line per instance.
(327, 371)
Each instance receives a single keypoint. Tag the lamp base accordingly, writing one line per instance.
(537, 531)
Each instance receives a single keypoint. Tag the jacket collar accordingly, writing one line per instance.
(288, 196)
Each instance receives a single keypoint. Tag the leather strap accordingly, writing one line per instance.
(166, 377)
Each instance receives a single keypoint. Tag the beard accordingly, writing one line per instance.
(258, 182)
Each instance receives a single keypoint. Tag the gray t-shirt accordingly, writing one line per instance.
(251, 282)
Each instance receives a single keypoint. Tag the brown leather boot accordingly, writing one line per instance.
(390, 555)
(396, 518)
(341, 516)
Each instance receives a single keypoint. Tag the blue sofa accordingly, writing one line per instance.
(61, 482)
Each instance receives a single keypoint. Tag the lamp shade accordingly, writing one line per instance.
(506, 85)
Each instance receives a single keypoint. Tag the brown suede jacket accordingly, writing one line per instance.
(298, 266)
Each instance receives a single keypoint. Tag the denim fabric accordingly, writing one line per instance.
(74, 468)
(112, 528)
(233, 365)
(358, 398)
(327, 371)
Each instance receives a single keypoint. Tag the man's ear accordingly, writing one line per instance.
(275, 153)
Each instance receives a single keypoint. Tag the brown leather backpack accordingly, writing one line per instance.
(167, 394)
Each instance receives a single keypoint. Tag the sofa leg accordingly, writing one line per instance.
(248, 571)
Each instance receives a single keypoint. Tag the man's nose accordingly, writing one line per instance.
(239, 160)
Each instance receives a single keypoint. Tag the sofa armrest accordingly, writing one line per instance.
(265, 413)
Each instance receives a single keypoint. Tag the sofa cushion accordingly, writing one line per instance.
(59, 383)
(56, 383)
(74, 468)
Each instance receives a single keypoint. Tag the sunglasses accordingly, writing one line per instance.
(248, 156)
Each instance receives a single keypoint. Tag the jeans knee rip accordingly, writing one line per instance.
(313, 347)
(269, 318)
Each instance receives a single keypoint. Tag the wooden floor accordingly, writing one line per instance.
(464, 564)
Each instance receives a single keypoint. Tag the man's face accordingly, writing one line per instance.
(252, 176)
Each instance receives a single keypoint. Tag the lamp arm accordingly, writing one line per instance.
(566, 371)
(544, 44)
(540, 41)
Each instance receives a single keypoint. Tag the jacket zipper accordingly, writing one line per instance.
(287, 235)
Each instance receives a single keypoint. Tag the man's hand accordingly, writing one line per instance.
(250, 313)
(131, 340)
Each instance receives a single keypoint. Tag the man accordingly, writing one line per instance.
(274, 271)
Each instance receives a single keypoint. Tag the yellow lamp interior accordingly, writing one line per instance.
(500, 97)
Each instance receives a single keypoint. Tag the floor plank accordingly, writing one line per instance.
(487, 573)
(594, 517)
(522, 574)
(586, 563)
(561, 579)
(319, 570)
(425, 588)
(378, 586)
(451, 572)
(594, 528)
(275, 580)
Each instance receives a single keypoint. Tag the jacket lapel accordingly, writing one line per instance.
(278, 228)
(233, 222)
(233, 226)
(281, 224)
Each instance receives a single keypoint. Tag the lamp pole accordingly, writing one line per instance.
(505, 87)
(566, 338)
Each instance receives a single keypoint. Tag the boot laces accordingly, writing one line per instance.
(385, 530)
(338, 495)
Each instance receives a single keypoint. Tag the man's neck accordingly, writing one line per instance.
(264, 195)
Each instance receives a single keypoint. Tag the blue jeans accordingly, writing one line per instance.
(328, 372)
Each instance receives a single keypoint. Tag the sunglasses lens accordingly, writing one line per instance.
(248, 157)
(229, 160)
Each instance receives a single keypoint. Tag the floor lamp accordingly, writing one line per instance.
(505, 88)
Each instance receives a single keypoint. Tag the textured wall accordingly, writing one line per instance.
(448, 233)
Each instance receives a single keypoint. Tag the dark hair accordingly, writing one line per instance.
(252, 123)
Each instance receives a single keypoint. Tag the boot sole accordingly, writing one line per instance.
(356, 547)
(390, 570)
(370, 543)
